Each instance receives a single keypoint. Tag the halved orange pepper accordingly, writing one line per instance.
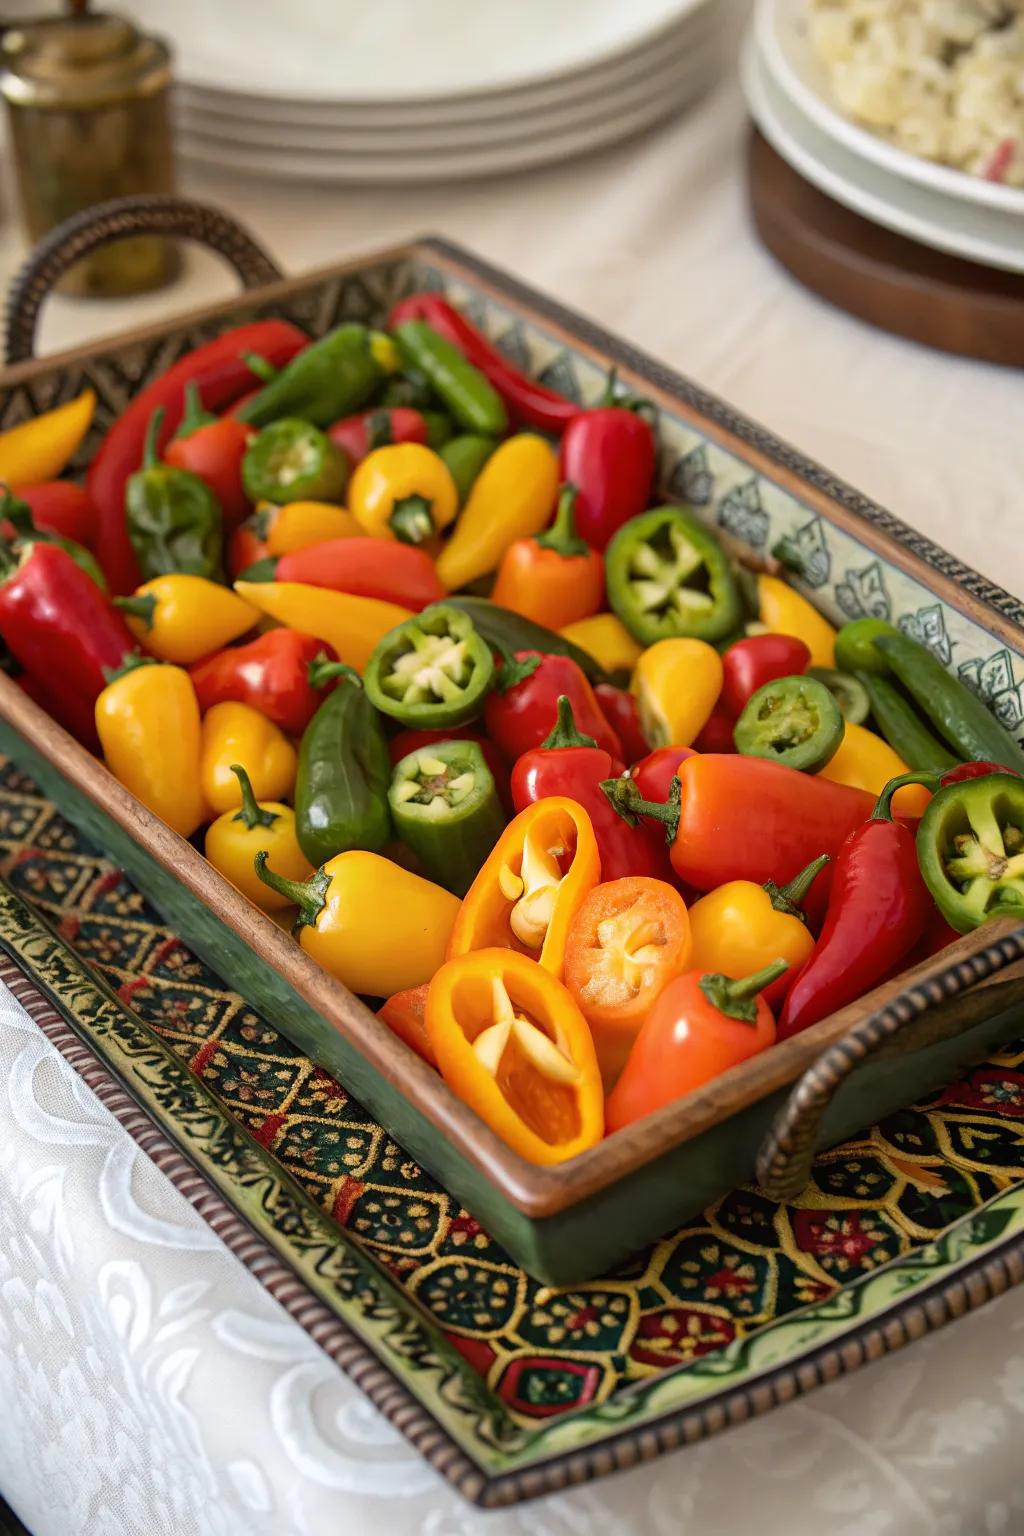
(405, 1014)
(512, 1045)
(530, 887)
(628, 940)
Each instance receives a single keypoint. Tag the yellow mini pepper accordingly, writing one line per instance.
(352, 625)
(300, 524)
(606, 638)
(181, 618)
(403, 491)
(377, 927)
(512, 498)
(40, 449)
(234, 840)
(236, 733)
(676, 685)
(783, 611)
(147, 718)
(864, 761)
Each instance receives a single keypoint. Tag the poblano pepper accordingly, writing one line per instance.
(342, 785)
(433, 671)
(327, 380)
(668, 577)
(174, 519)
(445, 807)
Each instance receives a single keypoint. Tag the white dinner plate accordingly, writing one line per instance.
(934, 218)
(786, 51)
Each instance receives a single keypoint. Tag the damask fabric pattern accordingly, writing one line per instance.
(543, 1350)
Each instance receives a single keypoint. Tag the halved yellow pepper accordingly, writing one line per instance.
(511, 1043)
(181, 618)
(784, 611)
(606, 638)
(300, 524)
(512, 498)
(676, 685)
(864, 761)
(353, 625)
(236, 733)
(236, 837)
(147, 718)
(403, 491)
(41, 449)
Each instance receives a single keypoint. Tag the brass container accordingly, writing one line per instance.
(88, 105)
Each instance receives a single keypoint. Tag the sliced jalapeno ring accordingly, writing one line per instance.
(970, 847)
(294, 461)
(848, 692)
(445, 807)
(668, 576)
(433, 671)
(793, 720)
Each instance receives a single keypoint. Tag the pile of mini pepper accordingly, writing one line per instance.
(396, 635)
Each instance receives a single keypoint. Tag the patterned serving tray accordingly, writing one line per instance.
(509, 1388)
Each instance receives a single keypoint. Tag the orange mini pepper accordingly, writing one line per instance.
(553, 578)
(513, 1046)
(530, 887)
(405, 1014)
(628, 940)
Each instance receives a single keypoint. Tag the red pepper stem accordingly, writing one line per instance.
(566, 733)
(883, 805)
(627, 801)
(790, 898)
(738, 999)
(194, 417)
(411, 521)
(149, 453)
(141, 607)
(320, 672)
(562, 536)
(310, 896)
(251, 813)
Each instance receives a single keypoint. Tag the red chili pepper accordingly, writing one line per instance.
(271, 674)
(619, 708)
(749, 664)
(360, 435)
(521, 710)
(716, 735)
(61, 507)
(877, 911)
(608, 454)
(64, 631)
(246, 545)
(964, 771)
(528, 402)
(381, 568)
(654, 773)
(213, 448)
(936, 937)
(572, 764)
(410, 741)
(221, 373)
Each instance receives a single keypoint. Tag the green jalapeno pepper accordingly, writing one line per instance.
(970, 847)
(793, 720)
(855, 646)
(960, 716)
(505, 630)
(341, 789)
(329, 379)
(433, 671)
(667, 576)
(293, 461)
(464, 391)
(445, 807)
(439, 429)
(902, 727)
(848, 691)
(174, 520)
(465, 457)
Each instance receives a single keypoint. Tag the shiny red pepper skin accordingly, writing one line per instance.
(877, 911)
(61, 507)
(221, 374)
(245, 547)
(410, 741)
(214, 452)
(716, 735)
(390, 571)
(608, 454)
(619, 708)
(528, 403)
(271, 674)
(654, 773)
(361, 434)
(964, 771)
(523, 717)
(749, 664)
(65, 632)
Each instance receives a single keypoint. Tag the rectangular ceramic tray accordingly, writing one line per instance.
(567, 1223)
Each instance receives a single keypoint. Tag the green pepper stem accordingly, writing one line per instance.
(627, 801)
(260, 570)
(310, 896)
(788, 553)
(411, 521)
(320, 672)
(260, 366)
(790, 898)
(194, 416)
(17, 512)
(738, 999)
(130, 662)
(512, 669)
(562, 536)
(883, 805)
(379, 431)
(142, 607)
(8, 560)
(566, 733)
(149, 453)
(252, 813)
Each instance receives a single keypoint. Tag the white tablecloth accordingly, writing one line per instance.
(123, 1320)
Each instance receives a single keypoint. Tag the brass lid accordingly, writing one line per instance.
(84, 60)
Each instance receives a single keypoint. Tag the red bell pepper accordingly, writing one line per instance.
(213, 448)
(61, 507)
(361, 434)
(654, 773)
(64, 631)
(220, 373)
(623, 716)
(381, 568)
(608, 454)
(877, 912)
(529, 403)
(749, 664)
(408, 741)
(246, 545)
(521, 710)
(271, 673)
(571, 764)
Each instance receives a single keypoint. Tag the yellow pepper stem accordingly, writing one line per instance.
(252, 814)
(790, 898)
(310, 896)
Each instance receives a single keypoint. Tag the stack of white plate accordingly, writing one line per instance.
(789, 97)
(424, 90)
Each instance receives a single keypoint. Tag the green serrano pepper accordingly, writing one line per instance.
(855, 646)
(329, 379)
(959, 716)
(467, 395)
(341, 791)
(466, 456)
(445, 807)
(903, 728)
